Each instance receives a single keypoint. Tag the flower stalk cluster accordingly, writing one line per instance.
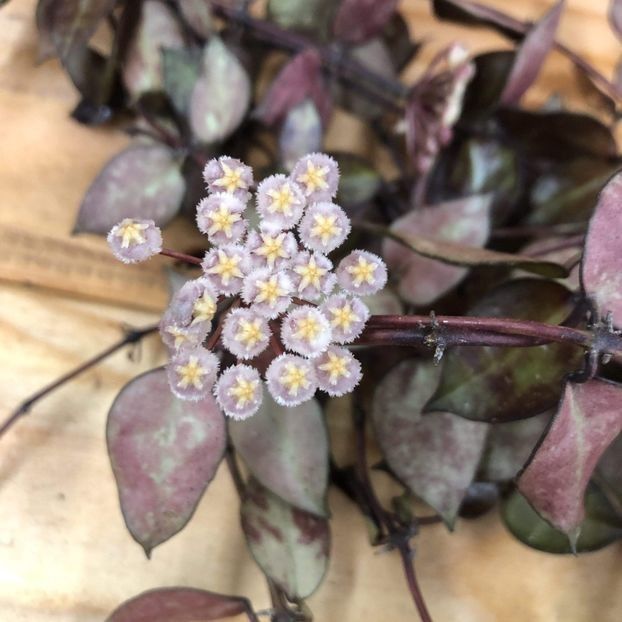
(285, 291)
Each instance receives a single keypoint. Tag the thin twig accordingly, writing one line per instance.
(131, 337)
(167, 252)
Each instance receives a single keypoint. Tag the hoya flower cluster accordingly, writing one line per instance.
(279, 290)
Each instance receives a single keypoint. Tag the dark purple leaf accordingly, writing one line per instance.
(301, 133)
(588, 420)
(479, 499)
(615, 16)
(436, 456)
(423, 280)
(221, 94)
(286, 449)
(140, 182)
(290, 545)
(567, 192)
(481, 98)
(359, 180)
(198, 16)
(68, 24)
(373, 55)
(509, 446)
(601, 269)
(164, 452)
(560, 136)
(180, 604)
(498, 384)
(457, 254)
(158, 28)
(600, 527)
(396, 37)
(301, 78)
(531, 55)
(359, 20)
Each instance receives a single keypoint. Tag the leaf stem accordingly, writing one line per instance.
(167, 252)
(131, 337)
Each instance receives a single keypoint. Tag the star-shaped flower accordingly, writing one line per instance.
(311, 274)
(232, 178)
(336, 367)
(131, 232)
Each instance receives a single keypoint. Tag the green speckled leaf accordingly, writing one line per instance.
(140, 182)
(180, 70)
(504, 384)
(286, 449)
(600, 527)
(308, 15)
(158, 28)
(164, 452)
(436, 456)
(301, 133)
(290, 545)
(221, 94)
(359, 181)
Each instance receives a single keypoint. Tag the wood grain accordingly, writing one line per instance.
(64, 552)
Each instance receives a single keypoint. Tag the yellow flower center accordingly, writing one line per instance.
(294, 378)
(308, 328)
(343, 317)
(231, 179)
(314, 178)
(243, 390)
(203, 309)
(269, 291)
(179, 334)
(363, 271)
(272, 248)
(283, 200)
(249, 333)
(227, 267)
(325, 228)
(131, 232)
(311, 274)
(336, 366)
(191, 374)
(222, 220)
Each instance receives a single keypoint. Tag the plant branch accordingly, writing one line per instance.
(389, 93)
(181, 256)
(464, 330)
(131, 337)
(398, 536)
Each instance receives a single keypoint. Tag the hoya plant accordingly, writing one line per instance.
(456, 296)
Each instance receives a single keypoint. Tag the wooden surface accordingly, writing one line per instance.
(64, 552)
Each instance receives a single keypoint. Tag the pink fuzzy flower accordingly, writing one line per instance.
(194, 303)
(318, 176)
(337, 371)
(226, 266)
(245, 333)
(279, 202)
(362, 272)
(192, 373)
(324, 227)
(220, 217)
(268, 293)
(239, 391)
(229, 175)
(305, 330)
(272, 250)
(134, 240)
(347, 316)
(291, 380)
(176, 337)
(312, 275)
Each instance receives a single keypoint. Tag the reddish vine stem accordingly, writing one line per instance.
(395, 534)
(181, 256)
(370, 84)
(131, 337)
